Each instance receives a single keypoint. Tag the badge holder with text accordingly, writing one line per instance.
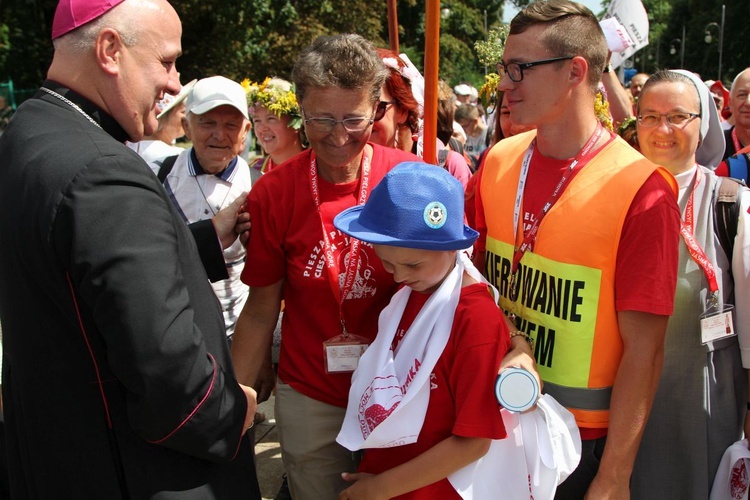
(716, 322)
(343, 351)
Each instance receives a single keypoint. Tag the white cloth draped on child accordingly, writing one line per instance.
(389, 393)
(389, 396)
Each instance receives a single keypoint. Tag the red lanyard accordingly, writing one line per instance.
(267, 165)
(736, 140)
(351, 270)
(583, 157)
(687, 229)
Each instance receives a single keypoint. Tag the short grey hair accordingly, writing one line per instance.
(346, 61)
(122, 20)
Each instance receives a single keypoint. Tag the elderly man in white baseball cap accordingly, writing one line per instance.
(210, 175)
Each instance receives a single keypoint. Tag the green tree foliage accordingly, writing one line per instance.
(702, 57)
(461, 25)
(258, 38)
(26, 48)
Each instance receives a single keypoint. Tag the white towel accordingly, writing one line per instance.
(733, 477)
(389, 394)
(543, 448)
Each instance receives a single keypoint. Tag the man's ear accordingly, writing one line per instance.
(108, 50)
(579, 70)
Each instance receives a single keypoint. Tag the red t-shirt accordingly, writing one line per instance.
(286, 241)
(646, 267)
(462, 395)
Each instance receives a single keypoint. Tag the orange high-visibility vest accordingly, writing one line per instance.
(565, 293)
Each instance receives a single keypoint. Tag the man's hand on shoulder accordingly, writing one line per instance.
(227, 221)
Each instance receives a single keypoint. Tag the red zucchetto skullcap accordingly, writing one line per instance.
(70, 14)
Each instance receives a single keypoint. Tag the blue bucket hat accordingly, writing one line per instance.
(416, 205)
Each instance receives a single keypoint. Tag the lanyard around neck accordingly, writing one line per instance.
(340, 291)
(583, 157)
(687, 230)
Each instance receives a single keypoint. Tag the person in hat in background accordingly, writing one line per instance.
(463, 93)
(211, 174)
(156, 147)
(117, 376)
(428, 378)
(720, 95)
(700, 406)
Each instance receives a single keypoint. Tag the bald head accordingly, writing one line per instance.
(742, 74)
(123, 61)
(636, 84)
(738, 100)
(126, 18)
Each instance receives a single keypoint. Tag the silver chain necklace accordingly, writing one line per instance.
(205, 198)
(221, 205)
(71, 104)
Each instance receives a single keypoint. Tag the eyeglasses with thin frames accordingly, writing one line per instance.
(355, 124)
(677, 119)
(515, 70)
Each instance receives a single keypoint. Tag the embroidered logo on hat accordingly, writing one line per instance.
(71, 14)
(435, 215)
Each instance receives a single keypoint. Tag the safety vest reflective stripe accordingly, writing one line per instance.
(580, 399)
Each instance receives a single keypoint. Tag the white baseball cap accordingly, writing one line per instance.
(462, 89)
(215, 91)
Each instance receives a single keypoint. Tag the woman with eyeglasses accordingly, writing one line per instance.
(700, 406)
(398, 122)
(333, 287)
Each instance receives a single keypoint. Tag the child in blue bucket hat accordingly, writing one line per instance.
(421, 402)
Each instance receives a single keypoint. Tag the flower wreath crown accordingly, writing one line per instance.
(277, 96)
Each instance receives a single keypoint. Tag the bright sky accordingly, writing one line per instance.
(510, 10)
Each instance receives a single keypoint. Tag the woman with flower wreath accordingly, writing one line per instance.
(277, 122)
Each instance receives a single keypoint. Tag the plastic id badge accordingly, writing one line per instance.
(716, 325)
(343, 351)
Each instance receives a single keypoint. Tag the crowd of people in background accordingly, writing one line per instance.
(160, 277)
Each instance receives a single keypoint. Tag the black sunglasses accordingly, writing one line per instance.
(381, 109)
